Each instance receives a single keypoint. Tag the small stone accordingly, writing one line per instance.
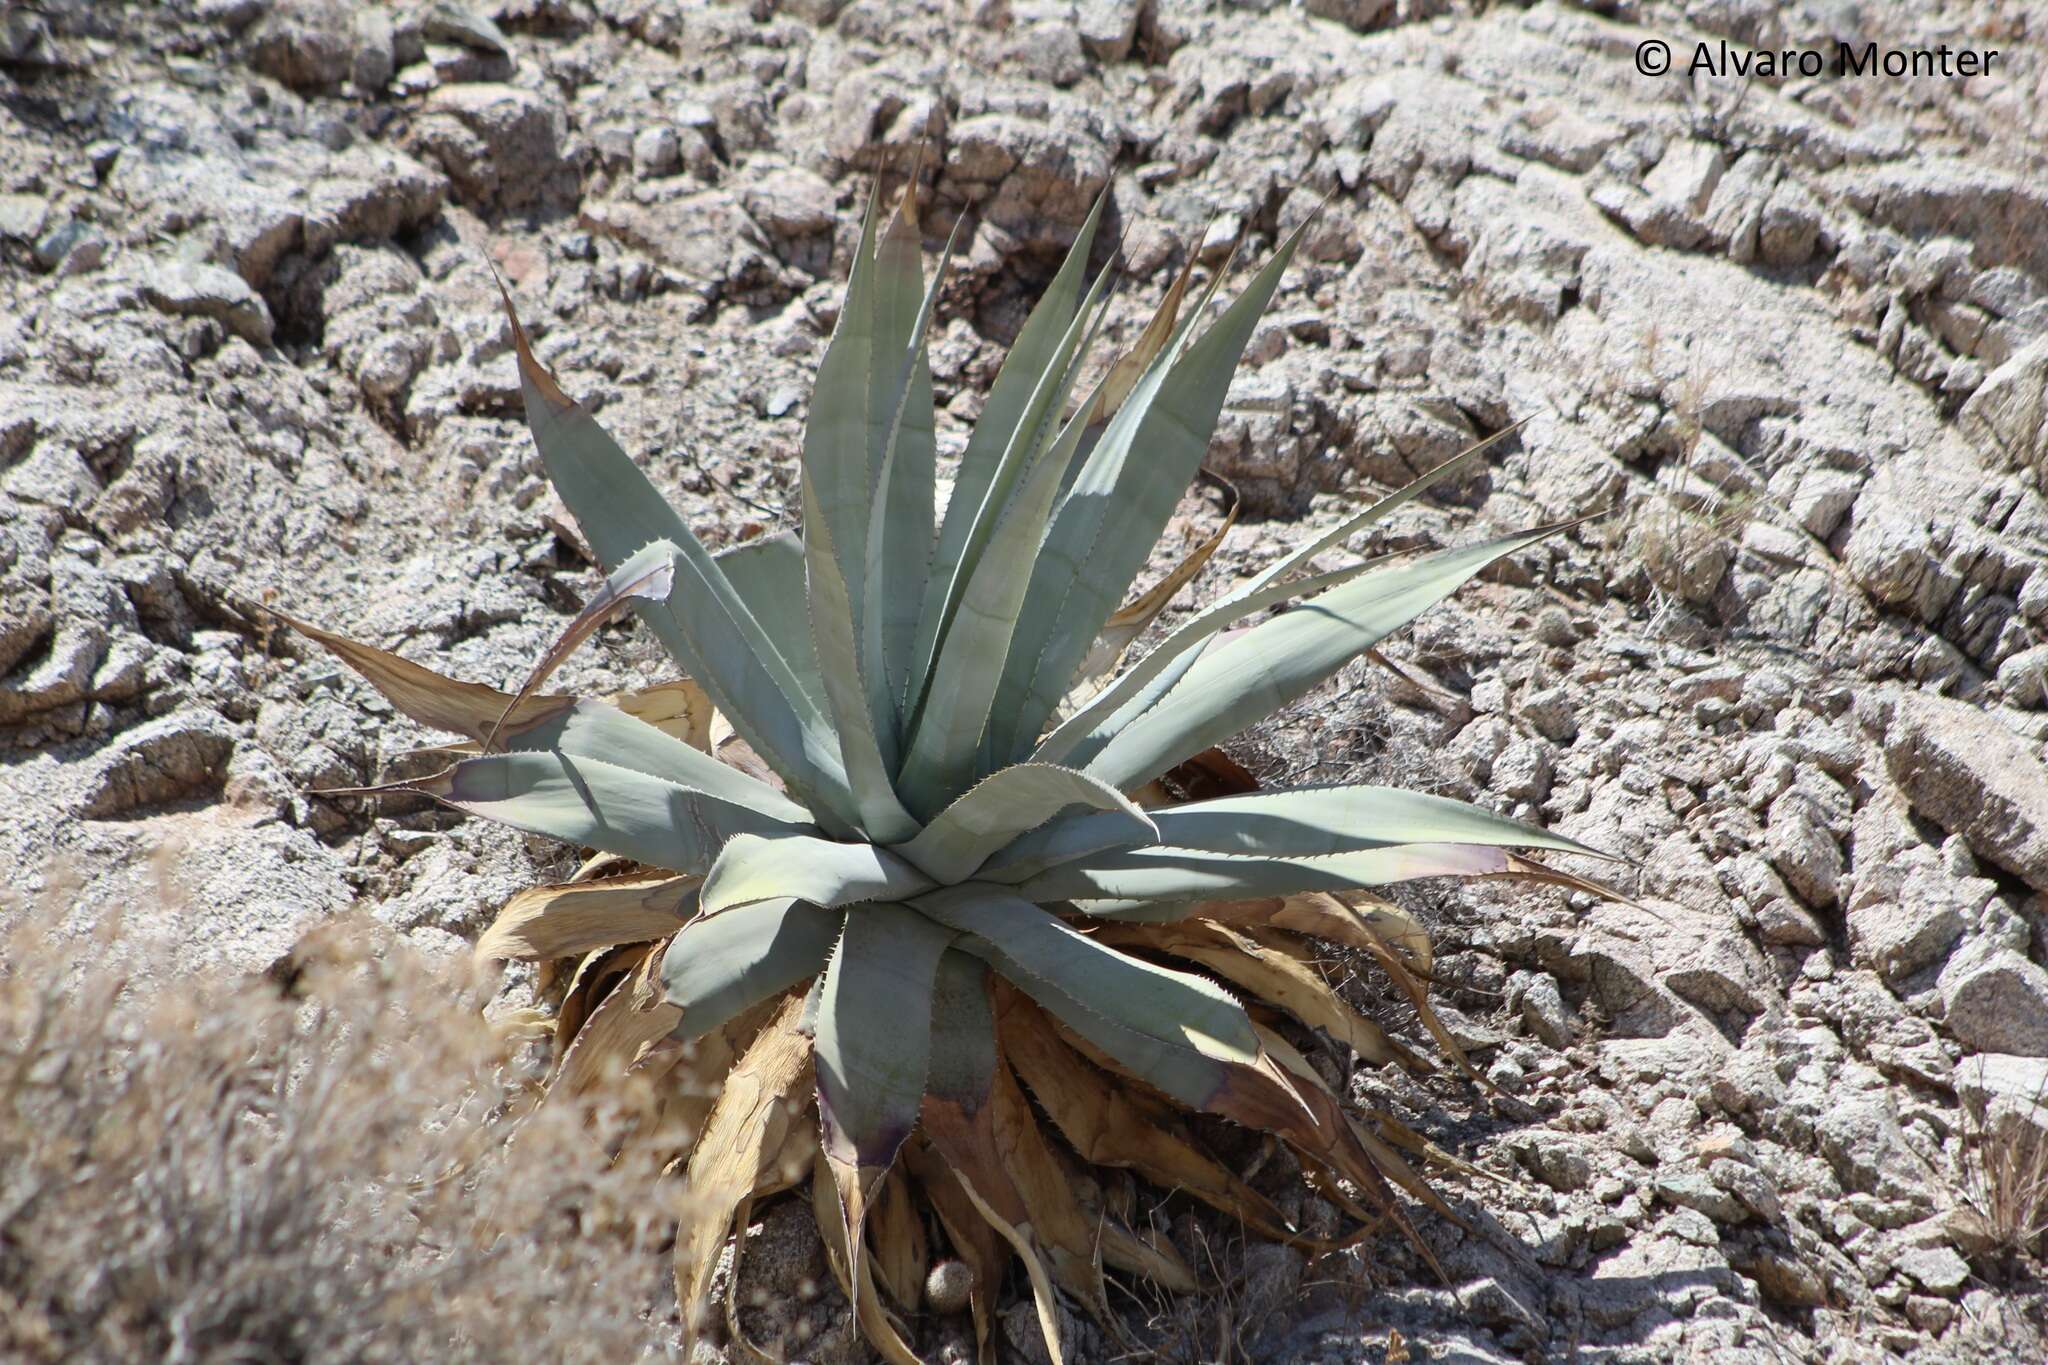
(305, 44)
(1543, 1007)
(2007, 416)
(452, 23)
(1693, 1190)
(1799, 845)
(195, 289)
(1791, 224)
(1995, 1086)
(1557, 1160)
(1787, 925)
(791, 202)
(1962, 769)
(1939, 1270)
(1751, 1186)
(1725, 1146)
(2024, 677)
(782, 400)
(1786, 1280)
(499, 144)
(70, 248)
(23, 216)
(1997, 1002)
(1552, 712)
(1362, 15)
(1931, 1316)
(1554, 627)
(1107, 28)
(160, 760)
(1915, 929)
(1220, 237)
(657, 150)
(1523, 770)
(1687, 175)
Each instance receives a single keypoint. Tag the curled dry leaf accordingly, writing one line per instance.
(1111, 1123)
(572, 919)
(755, 1133)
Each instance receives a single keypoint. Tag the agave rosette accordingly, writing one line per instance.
(875, 869)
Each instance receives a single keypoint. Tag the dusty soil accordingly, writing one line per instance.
(1787, 334)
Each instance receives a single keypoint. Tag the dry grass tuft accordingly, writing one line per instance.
(310, 1171)
(2005, 1180)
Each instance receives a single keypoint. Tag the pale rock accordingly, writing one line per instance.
(1034, 178)
(1822, 498)
(1735, 213)
(2001, 1089)
(657, 150)
(71, 248)
(305, 44)
(1362, 15)
(881, 112)
(161, 760)
(1787, 924)
(1692, 1189)
(1939, 1270)
(1527, 267)
(1859, 1134)
(1107, 28)
(1791, 225)
(1523, 770)
(1800, 846)
(1917, 927)
(2007, 417)
(1962, 769)
(2024, 677)
(374, 60)
(1687, 175)
(1892, 553)
(1048, 51)
(791, 202)
(1996, 1001)
(1785, 1279)
(1560, 136)
(456, 23)
(196, 289)
(23, 216)
(499, 144)
(1553, 711)
(1543, 1008)
(1751, 1187)
(1479, 744)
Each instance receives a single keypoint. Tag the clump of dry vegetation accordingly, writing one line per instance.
(333, 1167)
(2005, 1178)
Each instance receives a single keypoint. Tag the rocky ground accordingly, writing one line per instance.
(1789, 336)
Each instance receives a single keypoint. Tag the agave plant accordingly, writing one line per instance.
(896, 851)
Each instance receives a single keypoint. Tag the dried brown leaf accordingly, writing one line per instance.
(742, 1152)
(1130, 620)
(1112, 1124)
(975, 1240)
(881, 1327)
(568, 919)
(1270, 972)
(896, 1240)
(435, 701)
